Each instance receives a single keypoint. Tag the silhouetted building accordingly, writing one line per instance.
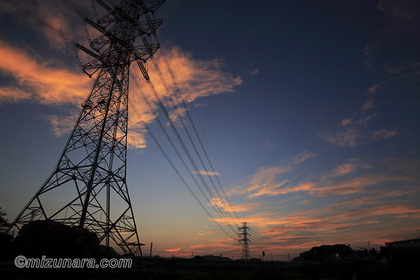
(404, 243)
(402, 254)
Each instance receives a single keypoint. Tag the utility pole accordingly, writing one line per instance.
(151, 247)
(90, 176)
(244, 234)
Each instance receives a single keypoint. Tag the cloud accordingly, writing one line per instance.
(173, 250)
(62, 124)
(353, 132)
(300, 157)
(344, 169)
(341, 222)
(35, 80)
(268, 180)
(368, 105)
(13, 95)
(353, 137)
(57, 16)
(38, 81)
(358, 184)
(216, 246)
(374, 88)
(254, 72)
(406, 10)
(194, 79)
(382, 210)
(228, 207)
(206, 173)
(268, 145)
(206, 233)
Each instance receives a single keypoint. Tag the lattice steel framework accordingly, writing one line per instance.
(245, 240)
(91, 171)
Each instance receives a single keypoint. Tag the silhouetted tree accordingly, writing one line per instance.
(6, 240)
(4, 223)
(54, 239)
(322, 253)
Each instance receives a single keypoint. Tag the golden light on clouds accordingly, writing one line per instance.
(40, 82)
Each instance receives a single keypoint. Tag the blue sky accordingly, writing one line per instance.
(310, 109)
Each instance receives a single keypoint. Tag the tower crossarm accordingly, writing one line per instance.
(116, 33)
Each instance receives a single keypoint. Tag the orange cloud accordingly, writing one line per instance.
(178, 78)
(173, 250)
(359, 184)
(206, 233)
(39, 81)
(245, 207)
(344, 169)
(344, 222)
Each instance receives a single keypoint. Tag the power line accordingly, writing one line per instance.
(189, 156)
(172, 164)
(197, 171)
(49, 26)
(217, 202)
(177, 90)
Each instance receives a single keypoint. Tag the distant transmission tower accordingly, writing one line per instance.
(91, 172)
(244, 234)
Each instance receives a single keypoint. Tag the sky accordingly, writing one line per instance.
(310, 112)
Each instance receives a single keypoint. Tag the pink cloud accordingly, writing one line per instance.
(173, 250)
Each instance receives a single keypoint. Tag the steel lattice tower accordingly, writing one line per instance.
(244, 234)
(91, 171)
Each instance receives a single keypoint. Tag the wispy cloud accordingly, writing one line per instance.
(268, 145)
(356, 131)
(270, 180)
(337, 223)
(254, 72)
(207, 173)
(404, 10)
(359, 184)
(352, 199)
(300, 157)
(228, 207)
(201, 233)
(62, 124)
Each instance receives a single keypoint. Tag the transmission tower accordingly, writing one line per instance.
(244, 234)
(91, 172)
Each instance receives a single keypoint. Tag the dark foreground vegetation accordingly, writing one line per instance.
(163, 269)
